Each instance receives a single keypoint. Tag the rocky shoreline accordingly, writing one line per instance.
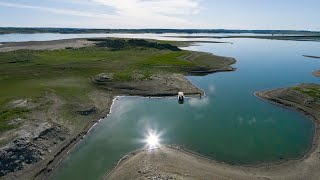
(30, 150)
(38, 147)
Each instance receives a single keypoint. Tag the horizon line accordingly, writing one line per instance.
(206, 29)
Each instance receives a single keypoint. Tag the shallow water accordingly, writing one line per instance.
(230, 124)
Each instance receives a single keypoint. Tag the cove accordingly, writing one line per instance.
(229, 124)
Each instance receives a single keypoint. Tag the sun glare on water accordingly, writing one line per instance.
(153, 140)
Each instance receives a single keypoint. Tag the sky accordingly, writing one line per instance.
(188, 14)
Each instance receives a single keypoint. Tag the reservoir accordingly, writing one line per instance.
(229, 124)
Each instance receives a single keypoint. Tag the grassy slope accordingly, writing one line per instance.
(29, 74)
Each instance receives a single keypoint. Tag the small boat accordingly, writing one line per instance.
(180, 97)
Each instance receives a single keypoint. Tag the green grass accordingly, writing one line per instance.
(23, 56)
(30, 74)
(123, 76)
(312, 92)
(170, 59)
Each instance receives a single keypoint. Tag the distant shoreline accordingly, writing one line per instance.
(293, 37)
(27, 30)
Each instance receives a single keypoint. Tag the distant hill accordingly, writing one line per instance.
(11, 30)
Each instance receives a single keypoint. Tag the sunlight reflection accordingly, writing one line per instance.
(152, 140)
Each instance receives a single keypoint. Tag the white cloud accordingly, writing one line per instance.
(155, 7)
(129, 13)
(153, 13)
(58, 11)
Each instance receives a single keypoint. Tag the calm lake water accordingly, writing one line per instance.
(230, 124)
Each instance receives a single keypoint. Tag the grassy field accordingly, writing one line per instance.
(29, 74)
(310, 91)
